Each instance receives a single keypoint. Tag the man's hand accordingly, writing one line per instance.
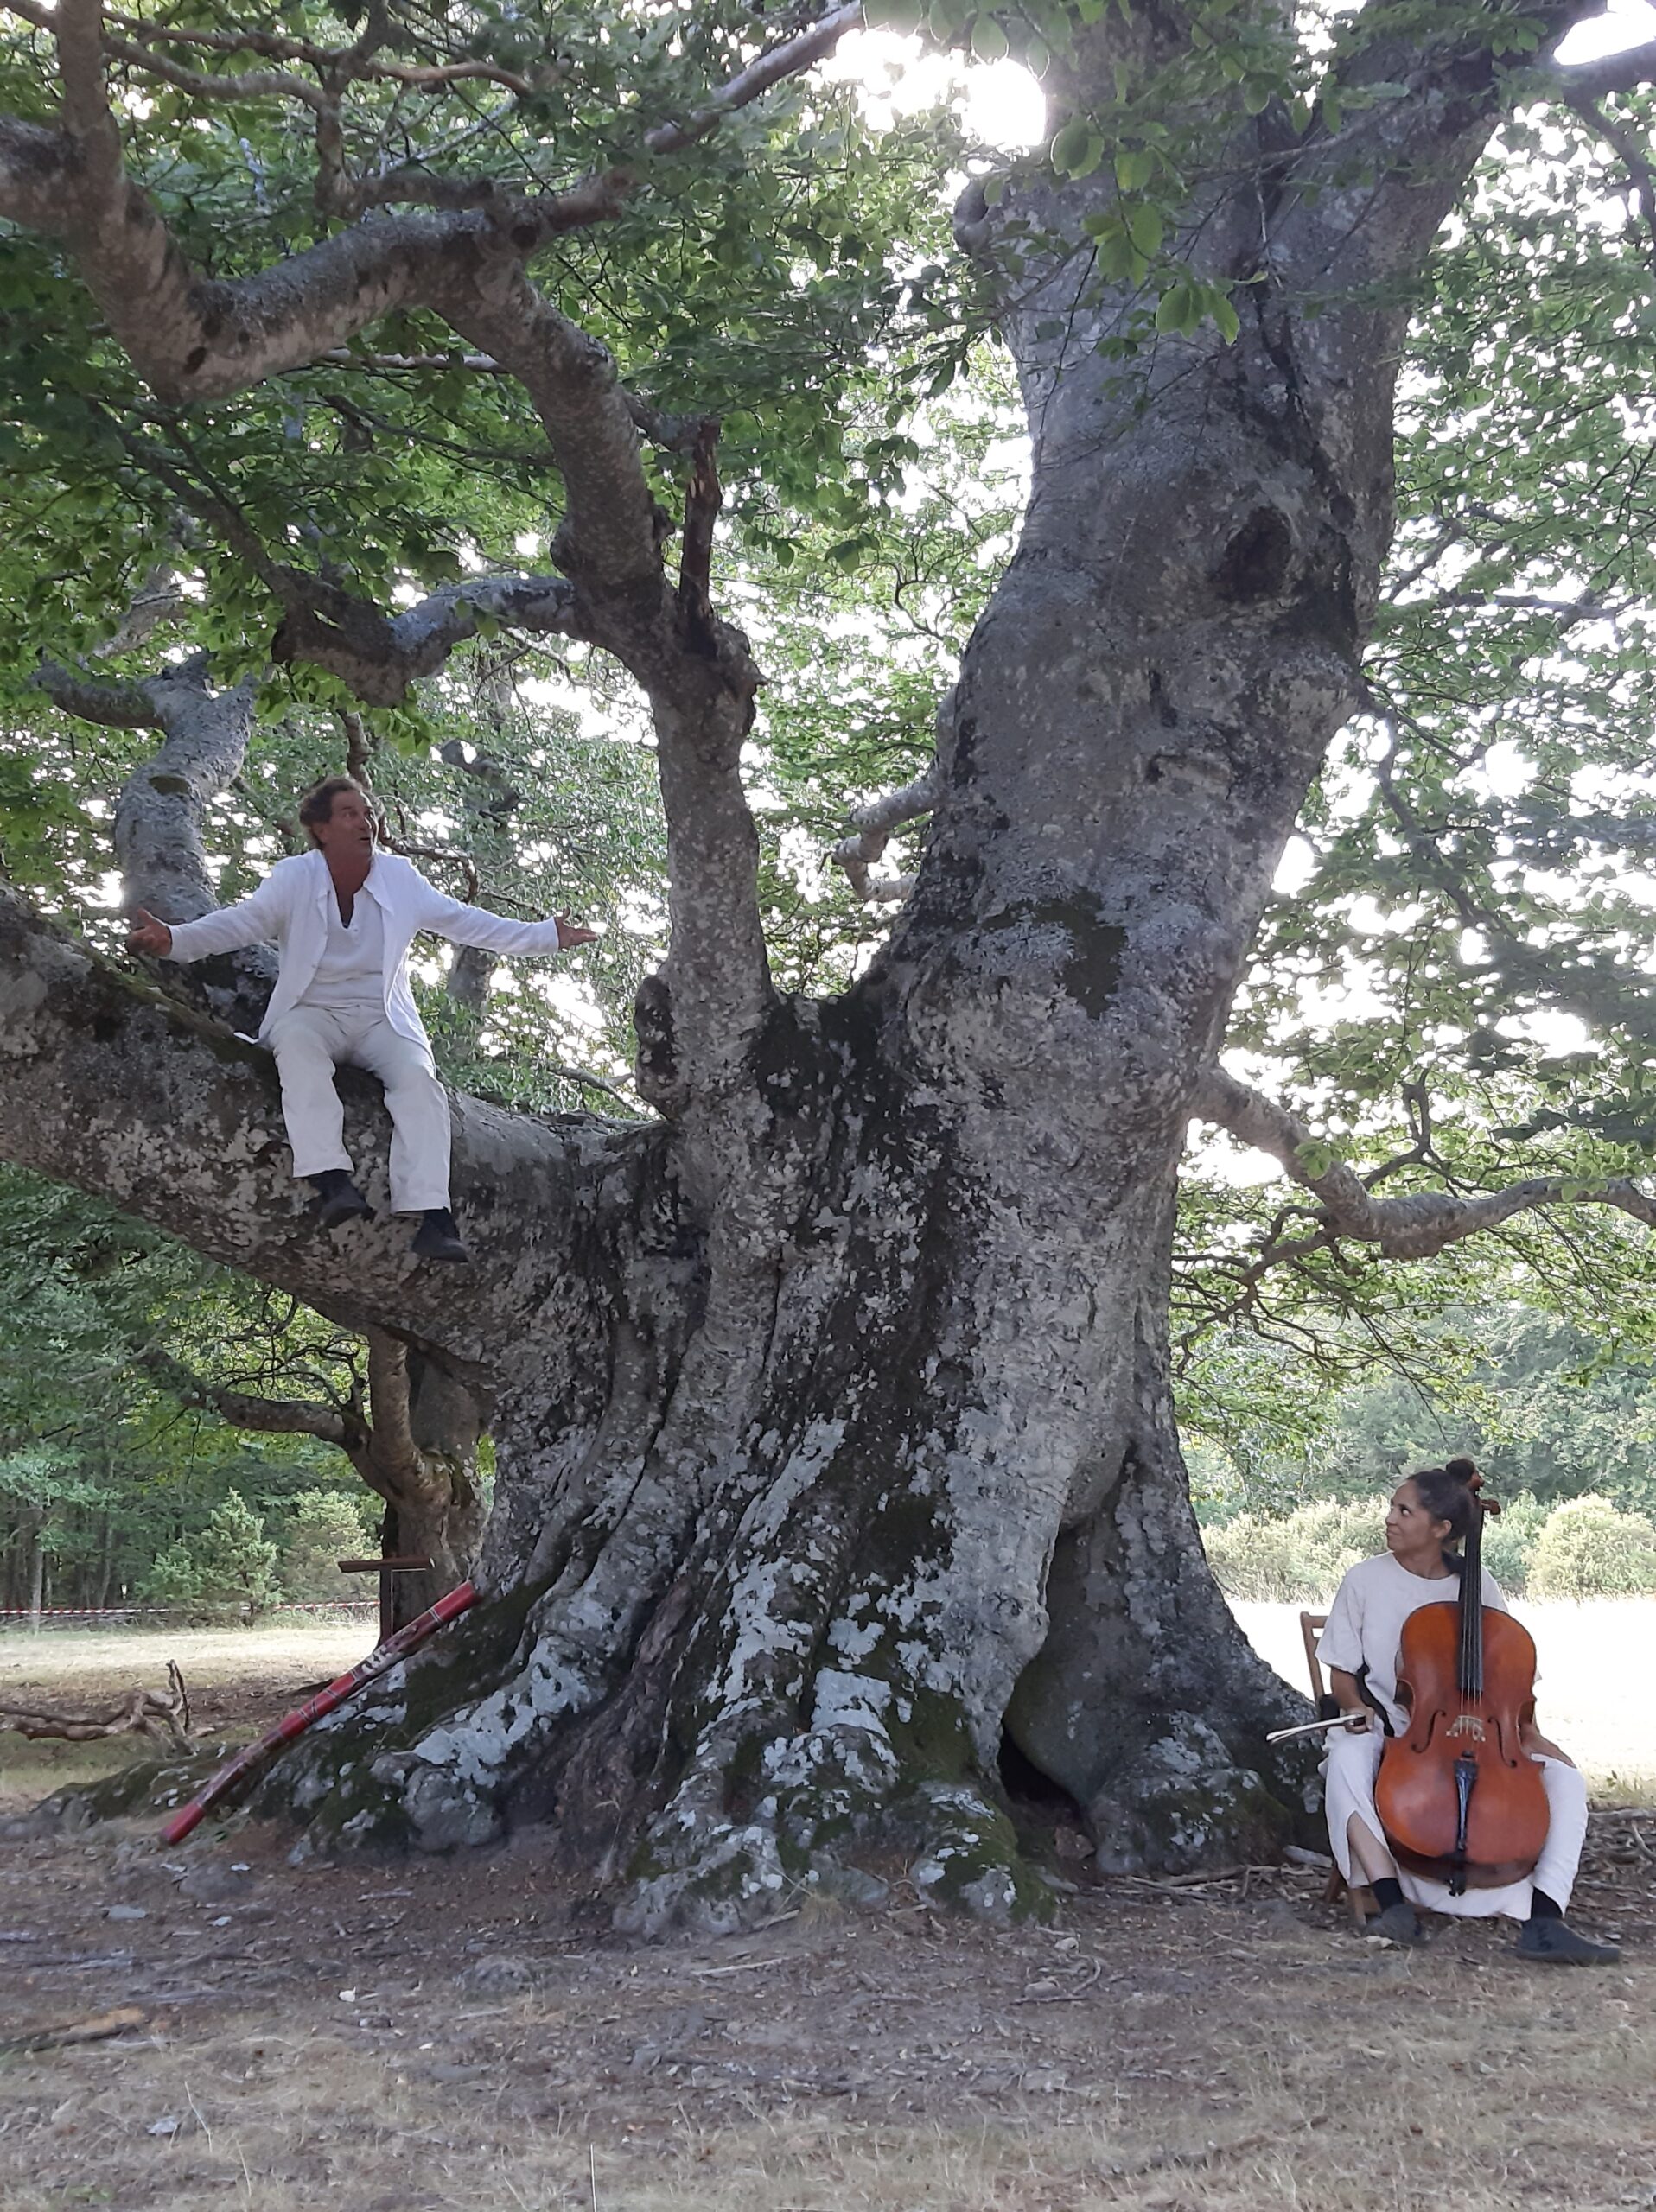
(570, 934)
(146, 934)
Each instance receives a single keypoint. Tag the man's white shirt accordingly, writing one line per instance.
(291, 907)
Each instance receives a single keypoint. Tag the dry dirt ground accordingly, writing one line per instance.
(423, 2036)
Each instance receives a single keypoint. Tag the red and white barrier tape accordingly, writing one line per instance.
(132, 1612)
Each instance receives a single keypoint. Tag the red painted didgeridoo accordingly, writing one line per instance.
(296, 1723)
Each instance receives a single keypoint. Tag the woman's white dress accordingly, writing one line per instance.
(1365, 1628)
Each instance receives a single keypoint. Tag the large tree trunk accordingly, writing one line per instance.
(774, 1602)
(833, 1428)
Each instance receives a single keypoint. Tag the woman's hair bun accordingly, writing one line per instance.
(1462, 1469)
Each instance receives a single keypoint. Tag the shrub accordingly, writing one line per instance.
(1297, 1559)
(328, 1526)
(1590, 1549)
(1509, 1541)
(231, 1565)
(175, 1579)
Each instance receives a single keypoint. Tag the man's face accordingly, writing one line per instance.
(349, 827)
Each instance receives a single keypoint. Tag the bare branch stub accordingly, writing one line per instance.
(873, 824)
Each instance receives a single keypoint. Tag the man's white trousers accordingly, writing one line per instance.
(309, 1042)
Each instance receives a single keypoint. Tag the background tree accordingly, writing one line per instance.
(834, 1405)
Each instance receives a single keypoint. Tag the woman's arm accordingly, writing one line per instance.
(1348, 1696)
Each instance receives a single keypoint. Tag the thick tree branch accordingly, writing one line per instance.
(380, 656)
(1410, 1228)
(195, 338)
(267, 1416)
(391, 1399)
(96, 699)
(106, 1084)
(1630, 71)
(158, 818)
(1414, 112)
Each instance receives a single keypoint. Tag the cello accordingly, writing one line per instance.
(1461, 1801)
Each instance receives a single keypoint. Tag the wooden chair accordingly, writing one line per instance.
(1362, 1898)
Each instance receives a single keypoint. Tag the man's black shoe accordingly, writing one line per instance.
(342, 1201)
(438, 1238)
(1554, 1942)
(1398, 1924)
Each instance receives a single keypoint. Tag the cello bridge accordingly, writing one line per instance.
(1469, 1725)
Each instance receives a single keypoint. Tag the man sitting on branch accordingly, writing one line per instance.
(342, 998)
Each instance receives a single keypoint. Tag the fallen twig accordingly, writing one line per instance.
(97, 2030)
(1066, 1996)
(165, 1714)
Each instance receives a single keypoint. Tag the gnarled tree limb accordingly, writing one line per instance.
(248, 1409)
(158, 818)
(380, 656)
(1409, 1228)
(106, 1085)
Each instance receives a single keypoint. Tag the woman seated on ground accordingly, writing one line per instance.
(1429, 1517)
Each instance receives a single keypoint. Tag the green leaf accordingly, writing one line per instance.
(1078, 148)
(1135, 167)
(989, 40)
(1146, 228)
(946, 19)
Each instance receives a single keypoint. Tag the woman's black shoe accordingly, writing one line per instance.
(1398, 1924)
(1554, 1942)
(342, 1201)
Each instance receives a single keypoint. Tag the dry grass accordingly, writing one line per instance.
(239, 1680)
(416, 2038)
(1281, 2072)
(72, 1663)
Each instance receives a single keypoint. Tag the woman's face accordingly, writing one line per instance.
(1411, 1532)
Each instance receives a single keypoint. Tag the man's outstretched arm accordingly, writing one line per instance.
(248, 922)
(463, 925)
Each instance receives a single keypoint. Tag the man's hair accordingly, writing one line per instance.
(317, 804)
